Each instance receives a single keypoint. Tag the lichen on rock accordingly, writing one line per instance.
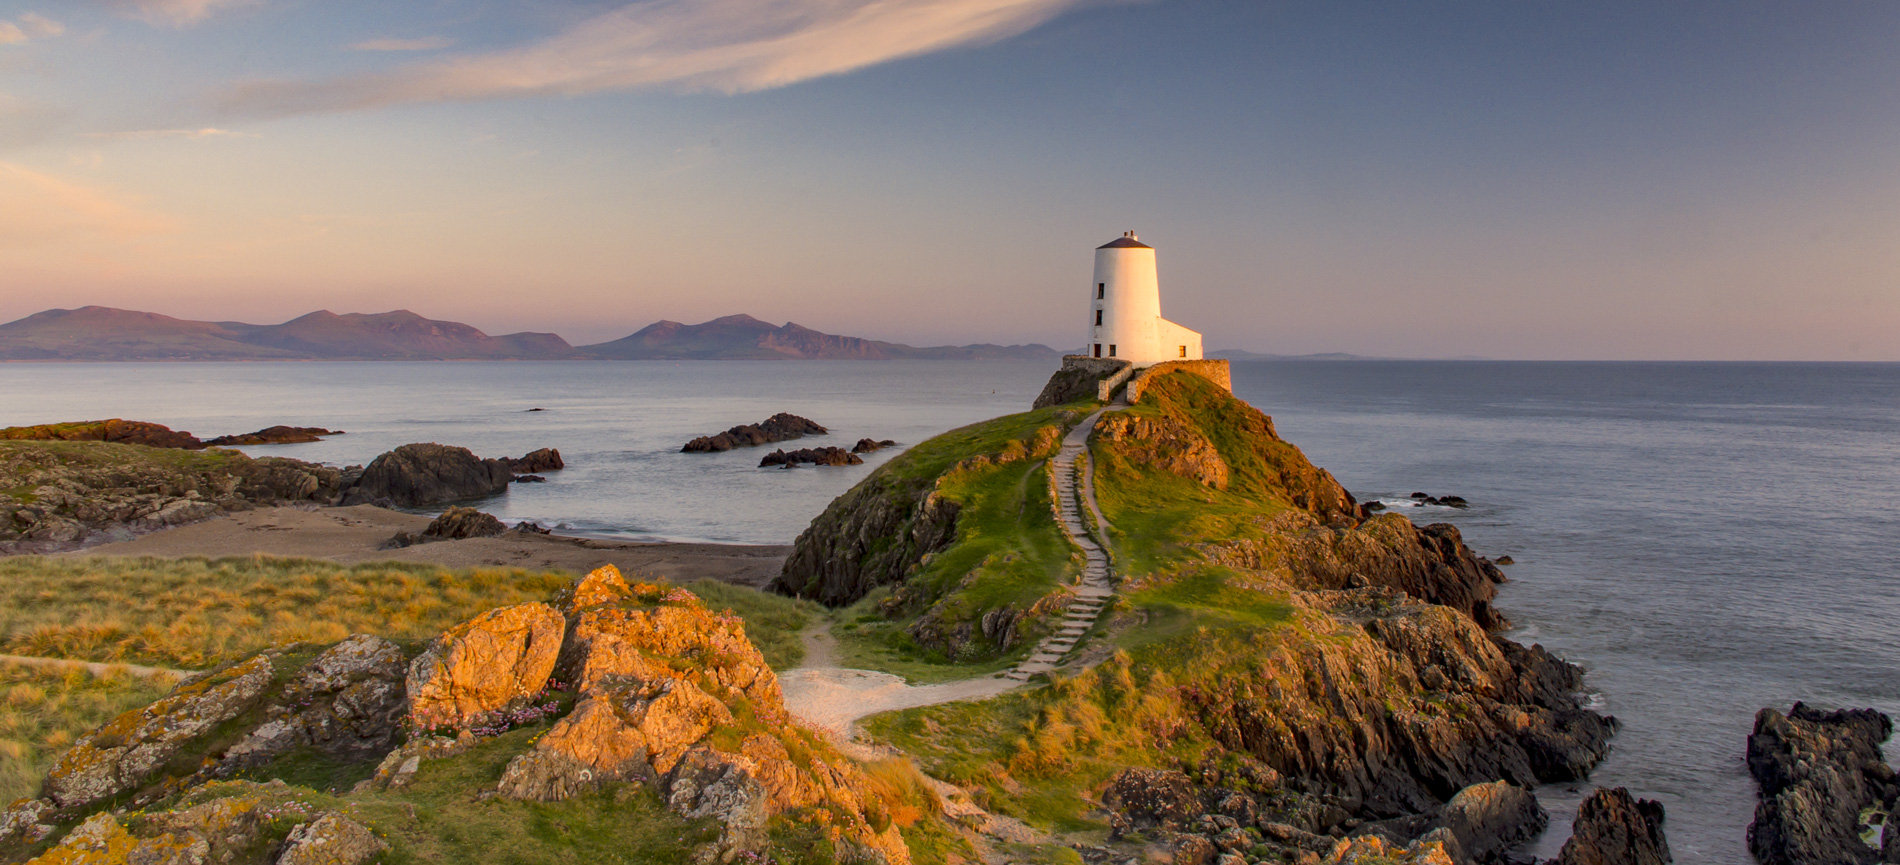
(497, 659)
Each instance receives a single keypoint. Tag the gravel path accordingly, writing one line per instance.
(833, 698)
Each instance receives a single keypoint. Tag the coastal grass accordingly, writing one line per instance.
(43, 709)
(20, 457)
(196, 613)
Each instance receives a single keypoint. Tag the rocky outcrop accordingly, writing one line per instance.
(128, 752)
(1484, 821)
(131, 432)
(777, 428)
(661, 682)
(459, 523)
(499, 659)
(416, 475)
(1817, 772)
(331, 839)
(276, 435)
(1167, 444)
(827, 456)
(82, 492)
(346, 703)
(543, 460)
(865, 446)
(1081, 378)
(1614, 828)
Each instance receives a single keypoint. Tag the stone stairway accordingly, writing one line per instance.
(1075, 489)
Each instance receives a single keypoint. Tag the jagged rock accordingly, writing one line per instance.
(1166, 444)
(1194, 850)
(221, 830)
(400, 765)
(1817, 771)
(331, 839)
(22, 817)
(275, 435)
(347, 702)
(865, 446)
(458, 523)
(826, 456)
(484, 665)
(543, 460)
(1485, 820)
(1373, 850)
(128, 752)
(416, 475)
(1613, 828)
(611, 644)
(1152, 798)
(602, 585)
(777, 428)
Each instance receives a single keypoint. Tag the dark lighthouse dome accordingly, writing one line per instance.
(1126, 241)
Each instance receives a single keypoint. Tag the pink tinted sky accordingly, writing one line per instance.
(1715, 180)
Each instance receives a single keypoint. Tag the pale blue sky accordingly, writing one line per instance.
(1508, 179)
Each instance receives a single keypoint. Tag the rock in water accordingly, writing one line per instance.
(777, 428)
(1485, 820)
(415, 475)
(484, 665)
(276, 435)
(1614, 828)
(826, 456)
(458, 523)
(865, 446)
(543, 460)
(1817, 772)
(130, 750)
(132, 432)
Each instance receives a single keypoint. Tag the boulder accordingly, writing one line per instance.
(777, 428)
(348, 702)
(416, 475)
(22, 819)
(500, 658)
(1817, 771)
(865, 446)
(1151, 798)
(633, 732)
(276, 435)
(129, 751)
(826, 456)
(331, 839)
(1485, 820)
(1614, 828)
(543, 460)
(458, 523)
(602, 585)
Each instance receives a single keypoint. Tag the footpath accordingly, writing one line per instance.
(1075, 490)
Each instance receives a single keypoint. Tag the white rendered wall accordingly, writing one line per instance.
(1130, 305)
(1177, 342)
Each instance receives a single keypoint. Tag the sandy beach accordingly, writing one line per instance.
(355, 534)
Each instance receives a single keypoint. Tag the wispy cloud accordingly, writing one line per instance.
(138, 134)
(176, 13)
(427, 43)
(729, 46)
(28, 27)
(35, 207)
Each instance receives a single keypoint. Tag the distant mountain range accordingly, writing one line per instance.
(98, 333)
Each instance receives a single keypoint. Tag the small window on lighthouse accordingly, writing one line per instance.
(1100, 290)
(1098, 318)
(1098, 349)
(1111, 349)
(1184, 351)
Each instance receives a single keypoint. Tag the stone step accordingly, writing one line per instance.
(1043, 658)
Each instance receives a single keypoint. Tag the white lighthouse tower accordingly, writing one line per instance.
(1125, 308)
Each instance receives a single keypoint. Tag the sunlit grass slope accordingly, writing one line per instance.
(43, 709)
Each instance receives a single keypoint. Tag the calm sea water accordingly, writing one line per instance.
(1706, 539)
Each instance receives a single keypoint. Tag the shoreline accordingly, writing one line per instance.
(355, 534)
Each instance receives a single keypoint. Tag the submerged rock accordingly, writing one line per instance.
(416, 475)
(777, 428)
(826, 456)
(1614, 828)
(1817, 771)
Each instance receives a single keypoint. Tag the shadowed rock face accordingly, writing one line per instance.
(348, 702)
(1817, 771)
(1614, 828)
(415, 475)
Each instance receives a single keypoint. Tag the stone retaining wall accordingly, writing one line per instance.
(1216, 371)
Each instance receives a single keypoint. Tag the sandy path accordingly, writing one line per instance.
(833, 698)
(97, 668)
(352, 535)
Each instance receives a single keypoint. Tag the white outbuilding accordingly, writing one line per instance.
(1125, 308)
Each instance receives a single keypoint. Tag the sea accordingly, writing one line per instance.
(1705, 539)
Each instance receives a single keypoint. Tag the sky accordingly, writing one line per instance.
(1528, 179)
